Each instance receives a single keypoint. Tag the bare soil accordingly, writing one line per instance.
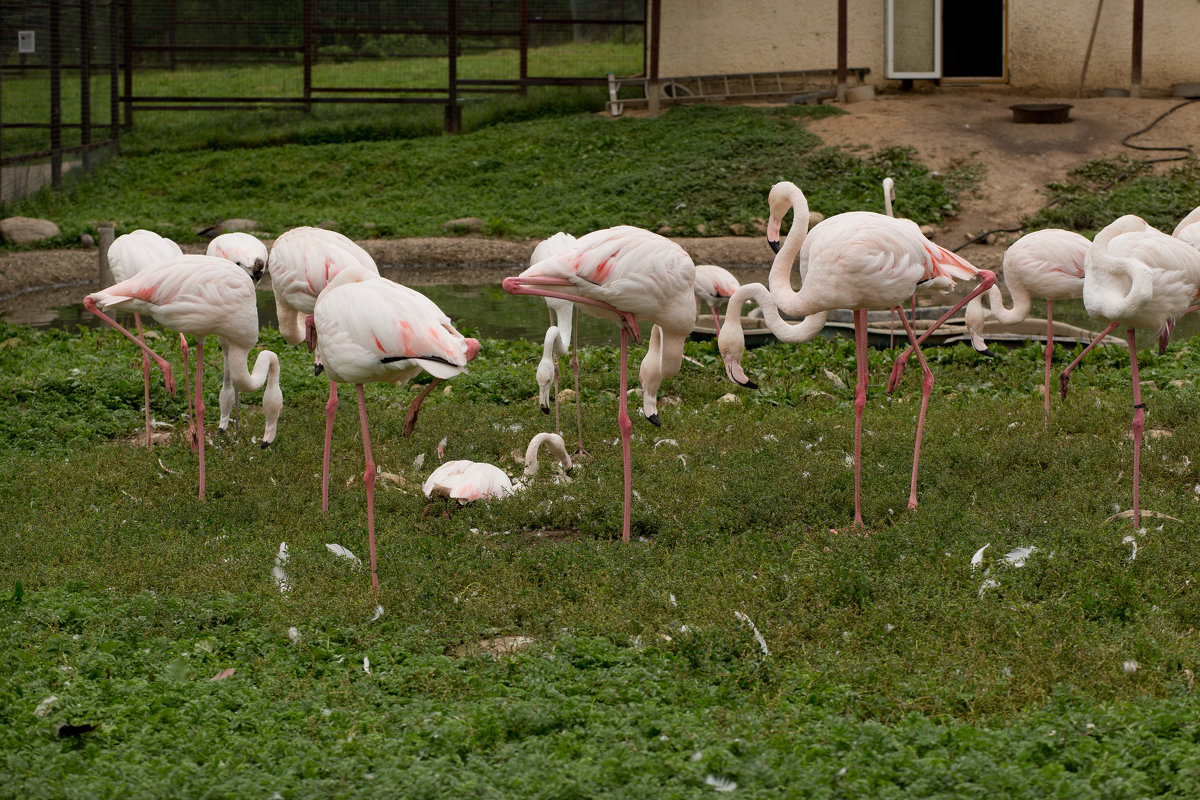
(948, 126)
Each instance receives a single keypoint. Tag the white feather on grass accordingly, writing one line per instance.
(278, 572)
(720, 784)
(366, 665)
(294, 635)
(758, 636)
(1132, 541)
(378, 613)
(977, 559)
(1017, 556)
(342, 552)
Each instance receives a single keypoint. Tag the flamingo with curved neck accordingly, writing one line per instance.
(856, 260)
(1047, 263)
(1137, 277)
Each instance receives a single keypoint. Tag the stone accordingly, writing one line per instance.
(87, 240)
(729, 398)
(236, 225)
(738, 229)
(929, 231)
(27, 230)
(760, 224)
(701, 228)
(857, 94)
(665, 230)
(464, 225)
(814, 217)
(328, 225)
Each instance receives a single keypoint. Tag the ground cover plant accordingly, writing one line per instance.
(888, 666)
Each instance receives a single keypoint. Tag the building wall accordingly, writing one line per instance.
(1046, 40)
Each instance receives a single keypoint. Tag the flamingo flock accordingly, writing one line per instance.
(364, 328)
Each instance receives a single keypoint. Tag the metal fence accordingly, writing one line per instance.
(74, 74)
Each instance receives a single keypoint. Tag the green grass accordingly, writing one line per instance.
(126, 594)
(699, 170)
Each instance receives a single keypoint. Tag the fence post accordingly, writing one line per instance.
(104, 239)
(309, 46)
(453, 120)
(114, 93)
(55, 94)
(127, 48)
(85, 82)
(652, 84)
(523, 65)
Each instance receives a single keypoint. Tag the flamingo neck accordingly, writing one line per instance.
(784, 331)
(557, 448)
(780, 278)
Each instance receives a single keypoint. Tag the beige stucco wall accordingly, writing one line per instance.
(1047, 40)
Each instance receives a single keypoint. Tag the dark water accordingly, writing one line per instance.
(485, 311)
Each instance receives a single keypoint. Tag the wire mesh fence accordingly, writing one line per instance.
(74, 74)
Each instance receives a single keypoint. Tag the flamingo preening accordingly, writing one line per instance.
(714, 286)
(374, 330)
(201, 295)
(1047, 263)
(1137, 277)
(625, 274)
(128, 255)
(561, 334)
(857, 260)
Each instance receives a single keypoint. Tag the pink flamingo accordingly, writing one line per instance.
(558, 335)
(249, 253)
(128, 255)
(625, 274)
(857, 260)
(1047, 263)
(372, 329)
(1137, 277)
(202, 295)
(467, 481)
(714, 286)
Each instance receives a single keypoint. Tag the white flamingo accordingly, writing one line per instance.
(625, 274)
(467, 481)
(1048, 264)
(375, 330)
(857, 260)
(202, 295)
(128, 255)
(714, 286)
(1137, 277)
(249, 253)
(561, 334)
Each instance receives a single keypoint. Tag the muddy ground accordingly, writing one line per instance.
(949, 127)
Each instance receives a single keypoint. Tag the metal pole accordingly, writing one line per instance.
(652, 84)
(55, 95)
(524, 44)
(1135, 80)
(85, 81)
(841, 51)
(453, 120)
(309, 50)
(114, 71)
(127, 48)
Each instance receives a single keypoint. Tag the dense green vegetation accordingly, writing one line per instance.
(894, 668)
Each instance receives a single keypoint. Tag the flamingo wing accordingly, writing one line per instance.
(304, 261)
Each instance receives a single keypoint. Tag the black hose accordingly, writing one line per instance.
(1187, 150)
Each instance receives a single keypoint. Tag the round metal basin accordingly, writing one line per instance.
(1041, 113)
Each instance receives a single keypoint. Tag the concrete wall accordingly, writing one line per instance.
(1047, 40)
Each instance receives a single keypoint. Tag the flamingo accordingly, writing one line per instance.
(373, 329)
(202, 295)
(1188, 230)
(467, 481)
(1047, 263)
(249, 253)
(625, 274)
(557, 336)
(889, 197)
(714, 286)
(856, 260)
(128, 255)
(1137, 277)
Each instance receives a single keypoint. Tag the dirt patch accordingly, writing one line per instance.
(949, 127)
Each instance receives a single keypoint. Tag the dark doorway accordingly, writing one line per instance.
(973, 39)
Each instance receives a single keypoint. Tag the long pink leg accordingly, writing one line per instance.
(137, 319)
(860, 402)
(1139, 422)
(579, 451)
(168, 378)
(626, 430)
(986, 279)
(368, 482)
(1049, 356)
(410, 419)
(892, 329)
(926, 389)
(200, 406)
(1164, 338)
(187, 392)
(716, 318)
(330, 410)
(1065, 377)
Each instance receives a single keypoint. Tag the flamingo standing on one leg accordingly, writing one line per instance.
(128, 255)
(714, 286)
(625, 274)
(249, 253)
(1047, 263)
(202, 295)
(1138, 277)
(857, 260)
(373, 329)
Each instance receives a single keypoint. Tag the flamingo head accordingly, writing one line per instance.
(256, 271)
(783, 196)
(975, 316)
(545, 378)
(731, 342)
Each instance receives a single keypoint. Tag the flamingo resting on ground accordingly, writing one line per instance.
(201, 295)
(467, 481)
(1047, 263)
(857, 260)
(625, 274)
(128, 255)
(714, 286)
(374, 330)
(1137, 277)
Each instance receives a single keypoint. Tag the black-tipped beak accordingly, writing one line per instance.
(265, 444)
(774, 245)
(318, 369)
(654, 420)
(749, 384)
(987, 352)
(545, 409)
